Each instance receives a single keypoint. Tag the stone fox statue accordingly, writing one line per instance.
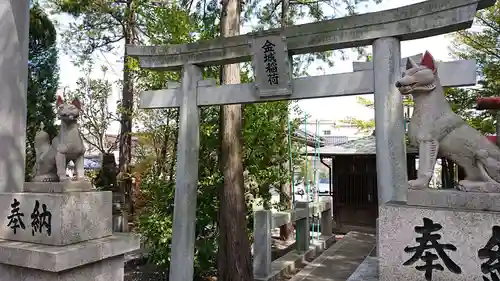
(52, 158)
(434, 128)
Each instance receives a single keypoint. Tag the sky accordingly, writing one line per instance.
(337, 108)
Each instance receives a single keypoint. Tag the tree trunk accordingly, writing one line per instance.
(234, 257)
(126, 127)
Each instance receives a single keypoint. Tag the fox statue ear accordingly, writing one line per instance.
(410, 64)
(76, 103)
(59, 101)
(428, 61)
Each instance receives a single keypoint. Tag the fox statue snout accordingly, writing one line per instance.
(418, 77)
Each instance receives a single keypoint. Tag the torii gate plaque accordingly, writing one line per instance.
(271, 65)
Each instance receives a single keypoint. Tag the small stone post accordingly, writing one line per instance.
(389, 122)
(14, 35)
(262, 225)
(327, 219)
(186, 183)
(303, 228)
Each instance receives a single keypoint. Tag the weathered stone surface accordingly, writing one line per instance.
(46, 258)
(342, 84)
(58, 187)
(455, 199)
(283, 266)
(428, 18)
(106, 270)
(14, 26)
(186, 178)
(289, 216)
(451, 73)
(368, 65)
(302, 228)
(262, 243)
(467, 230)
(389, 121)
(76, 216)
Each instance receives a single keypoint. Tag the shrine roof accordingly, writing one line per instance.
(361, 146)
(312, 139)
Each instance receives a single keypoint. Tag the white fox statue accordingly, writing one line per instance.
(434, 128)
(52, 158)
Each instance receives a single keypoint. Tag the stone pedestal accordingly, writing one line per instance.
(454, 199)
(463, 232)
(75, 217)
(65, 236)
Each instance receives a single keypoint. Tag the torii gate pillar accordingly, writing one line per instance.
(14, 38)
(389, 121)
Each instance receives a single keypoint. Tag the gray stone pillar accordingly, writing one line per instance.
(392, 179)
(377, 235)
(262, 244)
(14, 34)
(303, 228)
(327, 219)
(186, 182)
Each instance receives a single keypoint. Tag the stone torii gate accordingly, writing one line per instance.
(383, 30)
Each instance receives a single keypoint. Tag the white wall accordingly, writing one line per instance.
(333, 128)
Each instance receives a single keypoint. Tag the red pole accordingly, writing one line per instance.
(488, 103)
(491, 103)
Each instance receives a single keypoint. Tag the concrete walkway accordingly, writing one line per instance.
(340, 261)
(367, 271)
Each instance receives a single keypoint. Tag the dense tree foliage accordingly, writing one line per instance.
(43, 79)
(481, 43)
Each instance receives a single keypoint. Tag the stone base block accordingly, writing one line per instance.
(74, 217)
(96, 260)
(106, 270)
(455, 199)
(467, 230)
(58, 187)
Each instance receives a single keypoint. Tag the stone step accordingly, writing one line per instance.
(340, 261)
(294, 260)
(95, 260)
